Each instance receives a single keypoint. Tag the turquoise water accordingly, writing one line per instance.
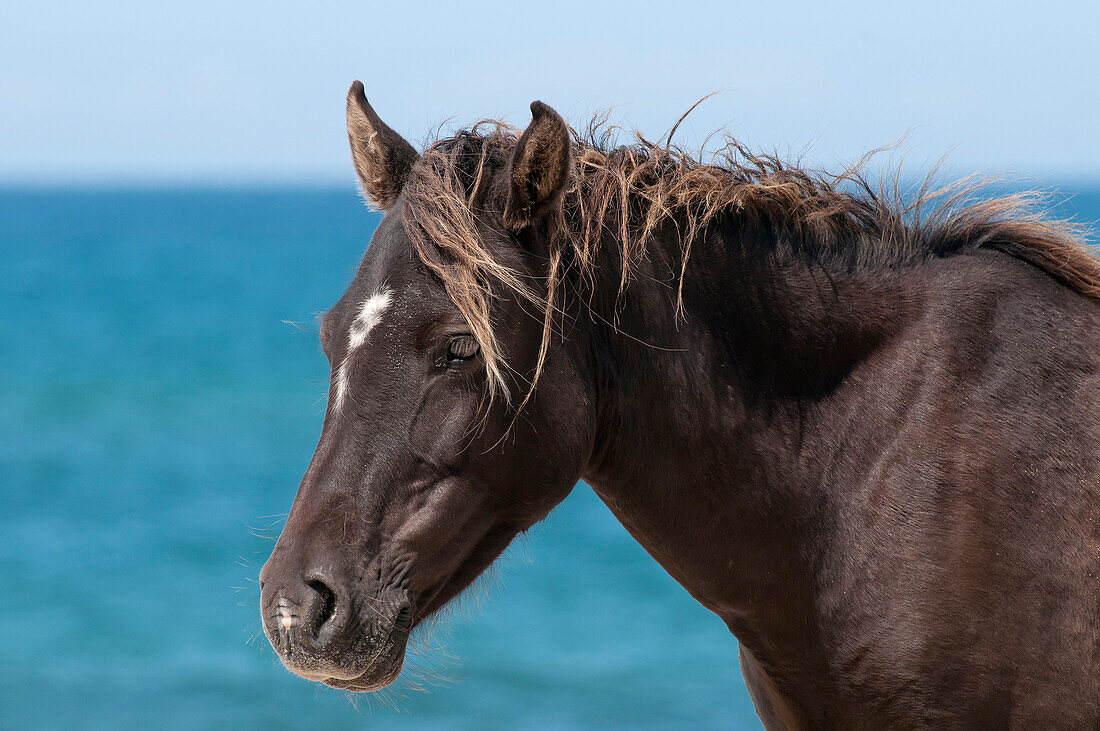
(156, 416)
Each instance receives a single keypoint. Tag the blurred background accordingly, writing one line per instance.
(176, 206)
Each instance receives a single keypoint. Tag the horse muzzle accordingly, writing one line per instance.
(346, 636)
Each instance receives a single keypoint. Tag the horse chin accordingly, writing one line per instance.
(382, 669)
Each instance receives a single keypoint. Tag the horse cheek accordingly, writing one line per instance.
(439, 435)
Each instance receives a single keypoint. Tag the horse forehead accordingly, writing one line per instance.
(389, 256)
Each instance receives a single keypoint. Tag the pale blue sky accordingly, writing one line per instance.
(224, 92)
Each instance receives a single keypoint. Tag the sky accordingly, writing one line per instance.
(203, 92)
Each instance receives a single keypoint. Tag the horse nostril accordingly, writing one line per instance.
(325, 603)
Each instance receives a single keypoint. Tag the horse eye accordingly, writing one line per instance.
(462, 348)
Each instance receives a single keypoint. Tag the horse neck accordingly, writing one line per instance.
(704, 418)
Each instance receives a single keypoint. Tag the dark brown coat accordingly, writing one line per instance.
(862, 431)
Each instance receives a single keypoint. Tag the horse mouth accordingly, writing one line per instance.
(385, 664)
(360, 664)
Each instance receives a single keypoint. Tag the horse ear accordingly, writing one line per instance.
(538, 173)
(382, 157)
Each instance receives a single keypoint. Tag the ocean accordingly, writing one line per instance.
(161, 392)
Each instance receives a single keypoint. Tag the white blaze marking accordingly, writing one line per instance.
(370, 312)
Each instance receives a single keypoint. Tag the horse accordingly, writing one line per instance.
(858, 424)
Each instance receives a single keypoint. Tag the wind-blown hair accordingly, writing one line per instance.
(621, 195)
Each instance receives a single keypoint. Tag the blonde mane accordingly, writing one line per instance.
(621, 195)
